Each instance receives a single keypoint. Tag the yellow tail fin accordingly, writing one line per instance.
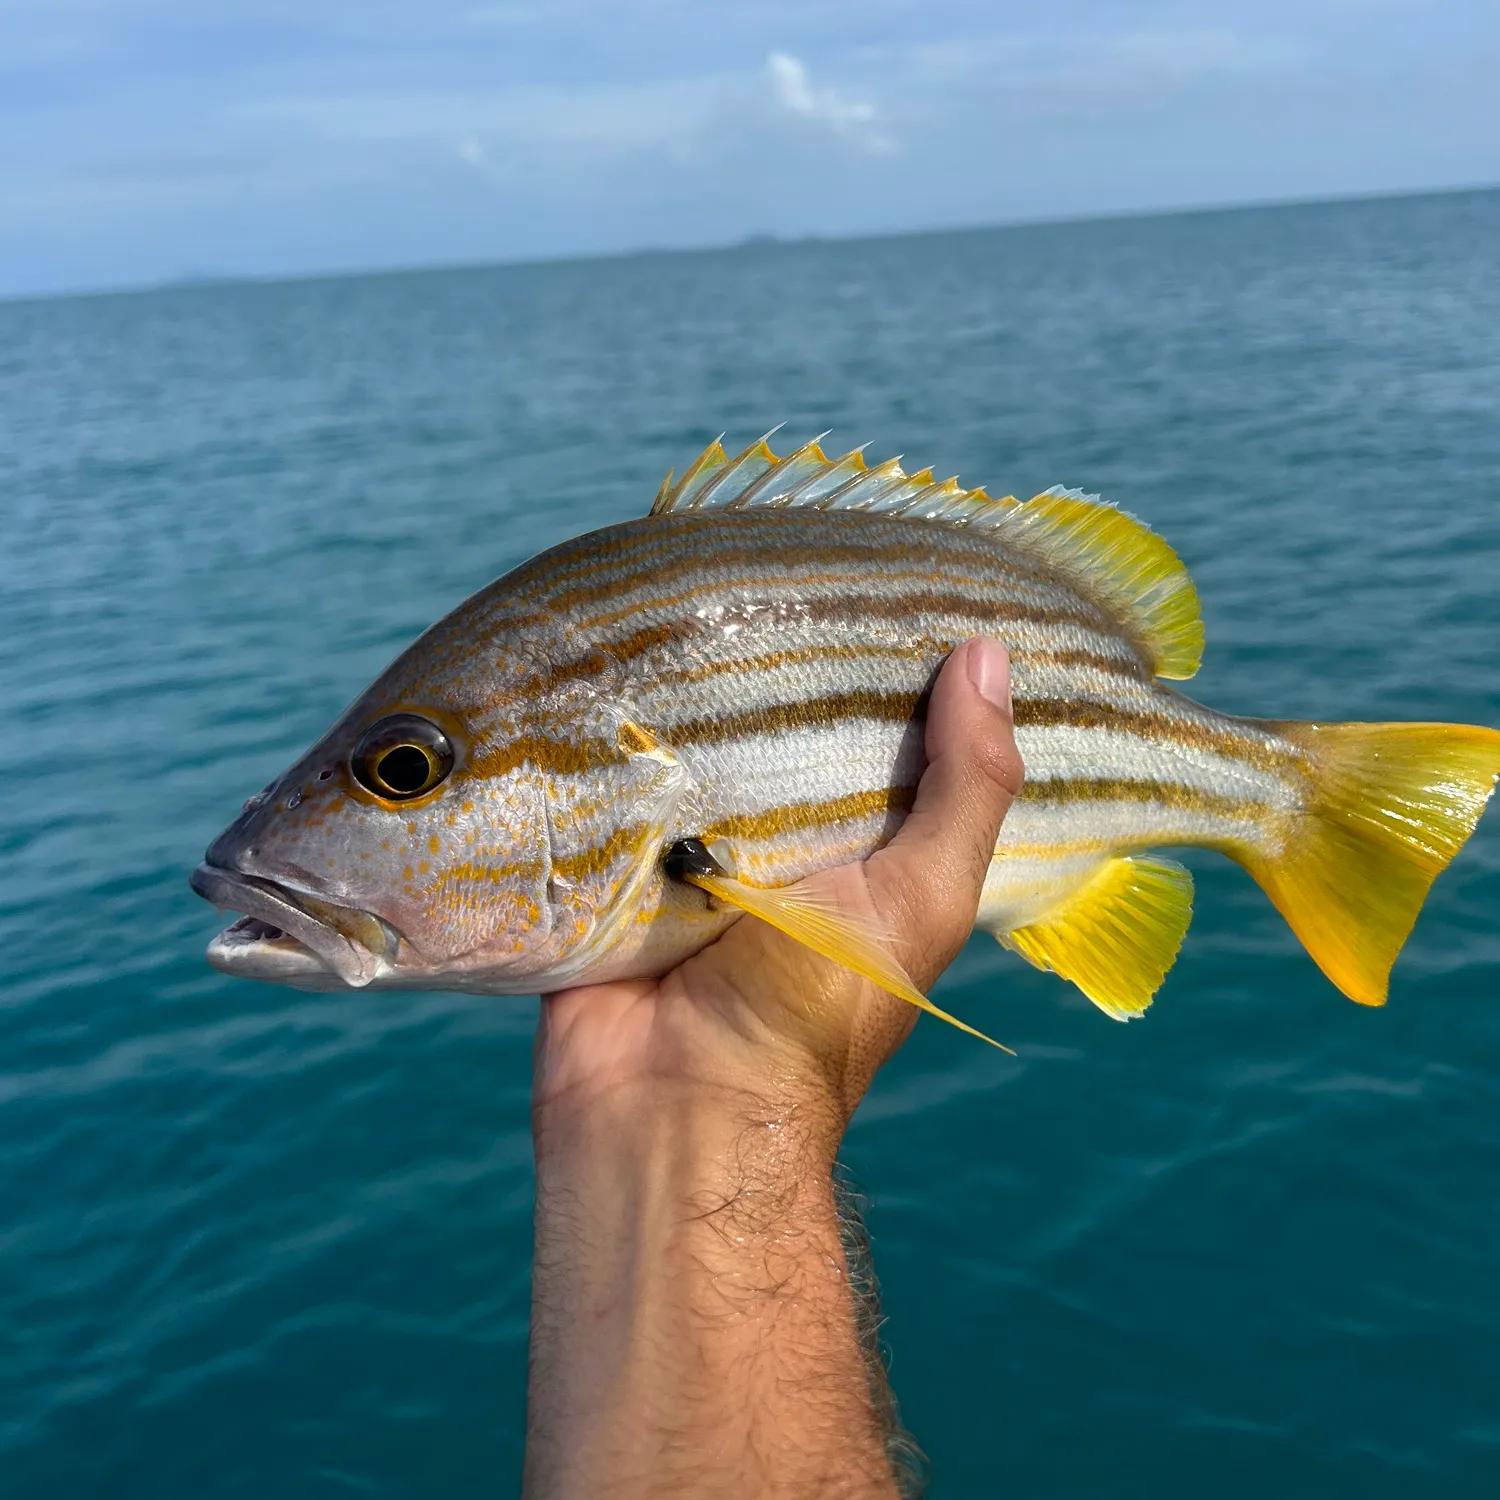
(1390, 805)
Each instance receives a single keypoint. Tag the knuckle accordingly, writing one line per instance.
(999, 758)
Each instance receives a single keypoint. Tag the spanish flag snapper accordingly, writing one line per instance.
(593, 766)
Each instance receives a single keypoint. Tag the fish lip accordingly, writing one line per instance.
(250, 949)
(277, 906)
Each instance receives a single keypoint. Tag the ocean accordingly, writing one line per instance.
(254, 1242)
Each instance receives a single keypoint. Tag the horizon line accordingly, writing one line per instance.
(754, 240)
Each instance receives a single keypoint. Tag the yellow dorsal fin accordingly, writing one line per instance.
(1121, 564)
(833, 933)
(703, 468)
(1106, 555)
(1116, 936)
(808, 479)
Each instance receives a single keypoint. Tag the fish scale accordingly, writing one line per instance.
(745, 671)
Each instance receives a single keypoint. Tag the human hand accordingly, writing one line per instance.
(756, 1011)
(694, 1330)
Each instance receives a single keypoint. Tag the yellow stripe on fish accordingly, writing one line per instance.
(747, 667)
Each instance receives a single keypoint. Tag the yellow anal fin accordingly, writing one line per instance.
(1116, 936)
(829, 932)
(1388, 806)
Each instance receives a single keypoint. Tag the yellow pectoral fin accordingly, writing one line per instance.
(1117, 936)
(831, 933)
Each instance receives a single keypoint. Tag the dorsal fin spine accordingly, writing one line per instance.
(883, 480)
(862, 489)
(713, 457)
(933, 494)
(820, 490)
(754, 462)
(765, 489)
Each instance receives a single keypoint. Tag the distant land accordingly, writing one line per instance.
(760, 240)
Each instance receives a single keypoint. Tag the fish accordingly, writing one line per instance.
(595, 765)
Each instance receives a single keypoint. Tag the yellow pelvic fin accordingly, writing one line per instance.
(1388, 806)
(832, 933)
(1121, 564)
(1116, 936)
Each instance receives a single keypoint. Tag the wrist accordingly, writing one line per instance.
(689, 1273)
(672, 1159)
(601, 1054)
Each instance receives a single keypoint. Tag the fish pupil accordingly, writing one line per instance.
(405, 769)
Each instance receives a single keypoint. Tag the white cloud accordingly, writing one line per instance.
(795, 93)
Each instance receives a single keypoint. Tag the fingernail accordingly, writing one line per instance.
(989, 671)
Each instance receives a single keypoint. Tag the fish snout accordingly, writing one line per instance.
(260, 841)
(234, 848)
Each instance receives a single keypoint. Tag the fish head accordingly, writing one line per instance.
(399, 852)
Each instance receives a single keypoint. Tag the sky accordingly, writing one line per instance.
(147, 140)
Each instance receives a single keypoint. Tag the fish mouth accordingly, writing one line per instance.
(290, 937)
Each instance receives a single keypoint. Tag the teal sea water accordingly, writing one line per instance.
(257, 1243)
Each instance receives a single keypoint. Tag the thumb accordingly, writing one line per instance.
(926, 882)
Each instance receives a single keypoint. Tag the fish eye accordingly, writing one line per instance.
(402, 756)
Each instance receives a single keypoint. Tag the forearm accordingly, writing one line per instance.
(693, 1327)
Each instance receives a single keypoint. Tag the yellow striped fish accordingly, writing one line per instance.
(746, 668)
